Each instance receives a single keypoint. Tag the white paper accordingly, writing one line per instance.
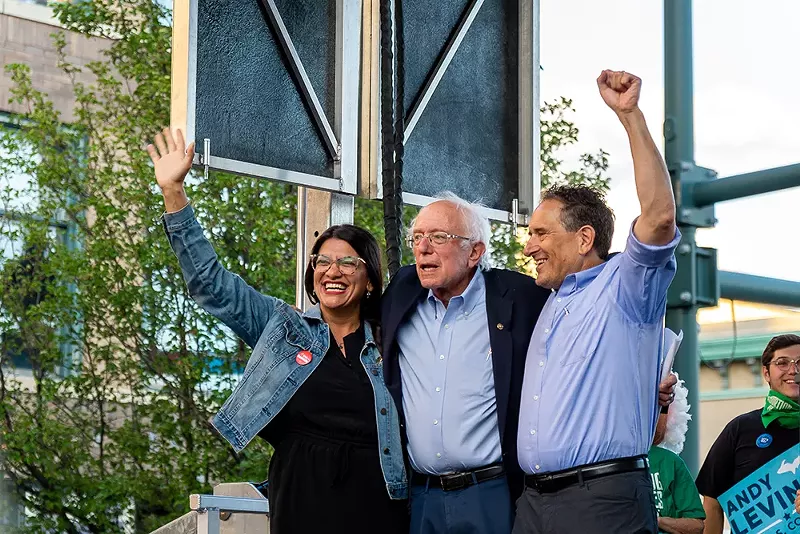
(672, 343)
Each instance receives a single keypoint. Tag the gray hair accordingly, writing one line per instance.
(478, 228)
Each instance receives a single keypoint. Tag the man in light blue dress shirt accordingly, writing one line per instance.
(589, 397)
(455, 336)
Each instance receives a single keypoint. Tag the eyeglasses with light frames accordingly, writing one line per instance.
(434, 238)
(784, 364)
(347, 264)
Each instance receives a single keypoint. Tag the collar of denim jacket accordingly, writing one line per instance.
(313, 313)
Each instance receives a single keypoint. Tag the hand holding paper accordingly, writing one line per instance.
(672, 343)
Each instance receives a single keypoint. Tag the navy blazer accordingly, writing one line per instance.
(513, 304)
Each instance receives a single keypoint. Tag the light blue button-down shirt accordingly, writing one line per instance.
(590, 391)
(448, 383)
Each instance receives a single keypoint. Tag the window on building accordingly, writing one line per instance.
(23, 247)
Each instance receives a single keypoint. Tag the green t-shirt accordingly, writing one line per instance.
(675, 493)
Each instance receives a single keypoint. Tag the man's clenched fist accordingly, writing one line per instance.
(620, 90)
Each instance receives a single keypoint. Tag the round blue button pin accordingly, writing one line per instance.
(763, 441)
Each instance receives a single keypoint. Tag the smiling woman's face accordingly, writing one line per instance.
(336, 290)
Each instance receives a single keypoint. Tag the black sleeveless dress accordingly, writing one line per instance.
(325, 473)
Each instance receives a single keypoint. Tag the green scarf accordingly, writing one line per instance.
(780, 408)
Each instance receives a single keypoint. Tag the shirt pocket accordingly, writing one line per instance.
(473, 375)
(577, 335)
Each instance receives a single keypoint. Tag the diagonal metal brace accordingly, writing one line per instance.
(435, 76)
(303, 82)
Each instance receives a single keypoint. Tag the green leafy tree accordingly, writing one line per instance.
(111, 423)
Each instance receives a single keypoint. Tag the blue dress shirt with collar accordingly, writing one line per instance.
(590, 391)
(448, 383)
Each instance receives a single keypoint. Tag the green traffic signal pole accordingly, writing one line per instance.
(679, 155)
(738, 286)
(745, 185)
(697, 282)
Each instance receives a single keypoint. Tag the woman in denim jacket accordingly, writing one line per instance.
(313, 386)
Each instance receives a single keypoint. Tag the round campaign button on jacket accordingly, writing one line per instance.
(763, 441)
(303, 357)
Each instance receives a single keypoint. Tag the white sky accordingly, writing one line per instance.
(746, 107)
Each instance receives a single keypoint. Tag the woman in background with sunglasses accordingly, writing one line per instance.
(313, 386)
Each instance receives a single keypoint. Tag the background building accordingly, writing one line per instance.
(25, 37)
(732, 337)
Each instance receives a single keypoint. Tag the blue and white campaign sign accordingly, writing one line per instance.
(763, 503)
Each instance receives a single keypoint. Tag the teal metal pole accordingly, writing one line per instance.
(687, 365)
(679, 152)
(745, 185)
(738, 286)
(679, 82)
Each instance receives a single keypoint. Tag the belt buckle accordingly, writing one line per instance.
(456, 481)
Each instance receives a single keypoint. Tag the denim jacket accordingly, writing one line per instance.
(277, 334)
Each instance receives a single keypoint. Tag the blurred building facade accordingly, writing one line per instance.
(25, 37)
(732, 338)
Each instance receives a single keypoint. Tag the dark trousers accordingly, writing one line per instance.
(484, 508)
(616, 503)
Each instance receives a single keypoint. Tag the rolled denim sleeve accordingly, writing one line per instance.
(218, 291)
(645, 273)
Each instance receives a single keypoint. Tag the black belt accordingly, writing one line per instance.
(550, 482)
(456, 481)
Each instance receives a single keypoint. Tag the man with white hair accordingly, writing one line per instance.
(455, 335)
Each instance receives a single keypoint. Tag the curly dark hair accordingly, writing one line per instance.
(777, 343)
(585, 206)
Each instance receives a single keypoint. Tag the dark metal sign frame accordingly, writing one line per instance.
(528, 115)
(351, 138)
(340, 136)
